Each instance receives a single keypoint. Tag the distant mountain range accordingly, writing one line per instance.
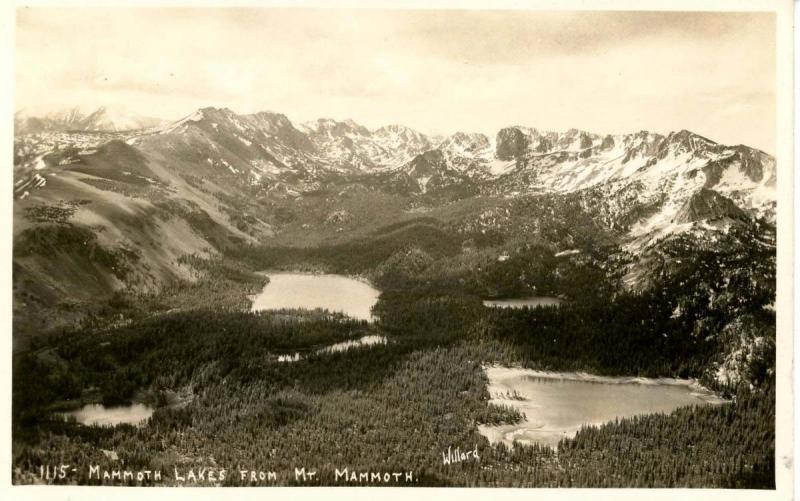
(267, 149)
(150, 192)
(102, 119)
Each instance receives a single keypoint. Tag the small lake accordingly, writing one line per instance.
(350, 344)
(353, 343)
(528, 302)
(335, 293)
(556, 405)
(97, 414)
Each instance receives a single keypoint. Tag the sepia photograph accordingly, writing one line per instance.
(443, 246)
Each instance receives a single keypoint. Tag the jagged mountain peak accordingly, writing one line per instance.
(334, 127)
(647, 184)
(396, 128)
(517, 160)
(516, 142)
(466, 144)
(685, 134)
(512, 143)
(395, 137)
(402, 132)
(430, 171)
(353, 124)
(212, 112)
(202, 117)
(216, 109)
(466, 136)
(685, 141)
(272, 118)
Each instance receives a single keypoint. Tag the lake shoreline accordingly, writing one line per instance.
(525, 302)
(559, 408)
(358, 278)
(506, 372)
(352, 296)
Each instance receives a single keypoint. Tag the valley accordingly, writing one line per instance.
(139, 275)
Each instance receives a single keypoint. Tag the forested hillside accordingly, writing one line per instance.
(138, 253)
(223, 398)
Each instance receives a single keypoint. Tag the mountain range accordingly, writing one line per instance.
(105, 118)
(105, 201)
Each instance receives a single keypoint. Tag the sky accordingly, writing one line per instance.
(438, 71)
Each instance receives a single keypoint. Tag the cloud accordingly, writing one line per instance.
(434, 70)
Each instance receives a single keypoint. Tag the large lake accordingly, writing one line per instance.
(331, 292)
(97, 414)
(556, 405)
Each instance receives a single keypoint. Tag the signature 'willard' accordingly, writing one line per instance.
(456, 456)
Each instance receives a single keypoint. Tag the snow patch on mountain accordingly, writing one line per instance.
(650, 185)
(110, 118)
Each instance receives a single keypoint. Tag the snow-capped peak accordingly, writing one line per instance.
(107, 118)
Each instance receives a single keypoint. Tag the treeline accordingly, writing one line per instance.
(633, 334)
(435, 258)
(357, 256)
(166, 352)
(399, 405)
(728, 446)
(398, 408)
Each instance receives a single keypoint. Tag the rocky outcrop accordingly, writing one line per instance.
(512, 144)
(708, 205)
(684, 141)
(278, 125)
(586, 141)
(751, 163)
(608, 143)
(641, 144)
(427, 164)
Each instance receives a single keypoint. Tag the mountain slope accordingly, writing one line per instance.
(99, 210)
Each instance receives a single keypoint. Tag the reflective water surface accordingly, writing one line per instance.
(332, 292)
(98, 414)
(556, 405)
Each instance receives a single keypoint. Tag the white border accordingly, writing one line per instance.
(784, 302)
